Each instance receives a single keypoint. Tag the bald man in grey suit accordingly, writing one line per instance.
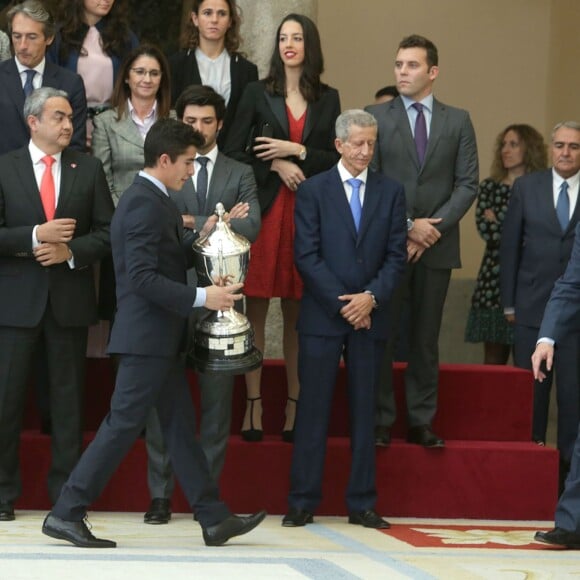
(231, 183)
(430, 148)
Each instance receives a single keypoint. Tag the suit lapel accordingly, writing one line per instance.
(68, 175)
(190, 70)
(14, 88)
(313, 112)
(545, 200)
(438, 121)
(219, 178)
(25, 171)
(128, 131)
(370, 204)
(340, 202)
(189, 196)
(402, 122)
(278, 106)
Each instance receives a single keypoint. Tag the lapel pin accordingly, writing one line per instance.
(73, 165)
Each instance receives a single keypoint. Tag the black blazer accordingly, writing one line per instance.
(256, 108)
(15, 133)
(25, 285)
(185, 72)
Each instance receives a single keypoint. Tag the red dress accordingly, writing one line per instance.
(271, 272)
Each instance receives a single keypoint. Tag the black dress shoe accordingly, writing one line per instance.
(159, 511)
(6, 511)
(559, 537)
(230, 527)
(382, 436)
(297, 518)
(76, 533)
(423, 435)
(369, 519)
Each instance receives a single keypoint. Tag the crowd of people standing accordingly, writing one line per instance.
(353, 218)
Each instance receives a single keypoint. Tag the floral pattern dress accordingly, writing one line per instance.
(486, 321)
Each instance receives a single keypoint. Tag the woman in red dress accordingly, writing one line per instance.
(284, 128)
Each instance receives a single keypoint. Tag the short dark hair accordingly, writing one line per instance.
(170, 137)
(201, 96)
(418, 41)
(388, 91)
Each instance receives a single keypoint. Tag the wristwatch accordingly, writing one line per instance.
(302, 154)
(375, 304)
(410, 224)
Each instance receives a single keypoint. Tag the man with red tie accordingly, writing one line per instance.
(55, 211)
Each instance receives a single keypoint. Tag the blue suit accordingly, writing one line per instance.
(562, 318)
(153, 304)
(333, 259)
(534, 253)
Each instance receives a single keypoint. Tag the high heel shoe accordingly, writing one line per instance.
(288, 434)
(252, 435)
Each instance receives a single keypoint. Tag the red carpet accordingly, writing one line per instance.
(489, 468)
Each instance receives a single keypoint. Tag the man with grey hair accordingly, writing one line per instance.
(350, 249)
(32, 29)
(55, 210)
(536, 243)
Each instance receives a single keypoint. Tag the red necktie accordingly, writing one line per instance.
(47, 193)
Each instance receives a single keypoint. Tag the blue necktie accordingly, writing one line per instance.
(355, 206)
(202, 182)
(28, 86)
(563, 206)
(420, 132)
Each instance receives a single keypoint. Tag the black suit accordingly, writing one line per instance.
(185, 72)
(153, 304)
(257, 108)
(15, 131)
(54, 302)
(534, 253)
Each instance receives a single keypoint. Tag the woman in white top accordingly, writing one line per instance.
(210, 56)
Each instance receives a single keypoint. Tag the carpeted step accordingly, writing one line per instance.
(476, 402)
(466, 479)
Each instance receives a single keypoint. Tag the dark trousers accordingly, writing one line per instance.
(318, 363)
(425, 290)
(567, 369)
(144, 382)
(65, 349)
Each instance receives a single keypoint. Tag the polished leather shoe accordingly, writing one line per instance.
(230, 527)
(297, 518)
(423, 435)
(382, 436)
(76, 533)
(6, 511)
(369, 519)
(559, 537)
(159, 511)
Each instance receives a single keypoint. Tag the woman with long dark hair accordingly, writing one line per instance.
(92, 40)
(284, 128)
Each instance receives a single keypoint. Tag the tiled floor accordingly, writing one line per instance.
(330, 548)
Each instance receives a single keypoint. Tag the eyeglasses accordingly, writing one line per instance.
(141, 72)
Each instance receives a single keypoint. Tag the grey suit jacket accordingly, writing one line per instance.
(445, 185)
(231, 182)
(119, 146)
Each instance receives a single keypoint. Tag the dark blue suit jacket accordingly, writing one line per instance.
(333, 259)
(562, 314)
(15, 133)
(534, 250)
(150, 258)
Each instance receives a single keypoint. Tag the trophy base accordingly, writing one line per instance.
(210, 362)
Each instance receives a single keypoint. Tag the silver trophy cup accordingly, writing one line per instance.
(223, 340)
